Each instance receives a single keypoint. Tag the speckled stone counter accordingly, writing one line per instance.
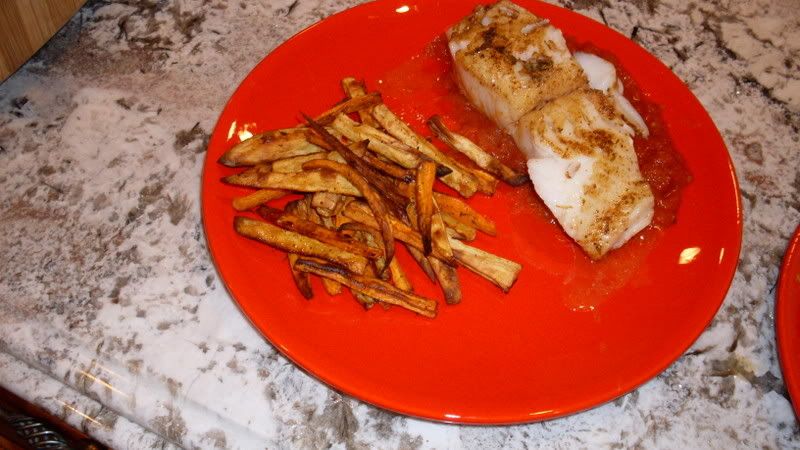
(111, 312)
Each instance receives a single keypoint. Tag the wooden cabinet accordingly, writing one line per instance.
(25, 25)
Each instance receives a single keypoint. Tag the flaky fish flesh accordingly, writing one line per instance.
(568, 115)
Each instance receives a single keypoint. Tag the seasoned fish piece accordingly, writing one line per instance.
(584, 167)
(602, 75)
(509, 61)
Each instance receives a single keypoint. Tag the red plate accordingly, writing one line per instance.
(570, 335)
(787, 320)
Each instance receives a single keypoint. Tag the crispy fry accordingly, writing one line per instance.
(297, 243)
(500, 271)
(359, 212)
(460, 179)
(328, 204)
(439, 238)
(458, 230)
(309, 181)
(359, 167)
(295, 163)
(399, 277)
(389, 168)
(374, 200)
(423, 195)
(448, 280)
(301, 279)
(423, 262)
(257, 198)
(372, 287)
(369, 236)
(355, 88)
(463, 213)
(331, 287)
(379, 142)
(478, 155)
(351, 105)
(292, 222)
(269, 146)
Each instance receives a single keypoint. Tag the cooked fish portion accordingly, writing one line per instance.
(602, 75)
(509, 61)
(584, 167)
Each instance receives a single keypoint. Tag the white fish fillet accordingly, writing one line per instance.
(584, 167)
(578, 133)
(509, 61)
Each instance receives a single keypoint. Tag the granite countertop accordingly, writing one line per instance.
(113, 317)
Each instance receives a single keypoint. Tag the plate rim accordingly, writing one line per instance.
(783, 320)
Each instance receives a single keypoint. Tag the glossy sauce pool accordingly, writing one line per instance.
(425, 85)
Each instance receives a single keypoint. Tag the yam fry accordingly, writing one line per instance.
(369, 236)
(359, 212)
(328, 204)
(308, 181)
(373, 287)
(301, 279)
(295, 163)
(399, 278)
(388, 168)
(500, 271)
(476, 154)
(351, 105)
(379, 142)
(292, 222)
(359, 167)
(292, 242)
(269, 146)
(355, 88)
(423, 196)
(256, 198)
(331, 287)
(460, 179)
(448, 280)
(464, 213)
(458, 230)
(423, 262)
(439, 237)
(374, 200)
(455, 207)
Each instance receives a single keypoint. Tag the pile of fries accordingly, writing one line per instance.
(367, 183)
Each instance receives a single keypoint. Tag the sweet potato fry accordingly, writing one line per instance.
(295, 163)
(458, 230)
(301, 279)
(423, 262)
(351, 105)
(388, 168)
(478, 155)
(423, 196)
(500, 271)
(399, 278)
(439, 238)
(297, 243)
(359, 212)
(374, 199)
(448, 280)
(328, 204)
(309, 181)
(256, 198)
(372, 287)
(331, 287)
(355, 88)
(379, 142)
(269, 146)
(461, 180)
(464, 213)
(292, 222)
